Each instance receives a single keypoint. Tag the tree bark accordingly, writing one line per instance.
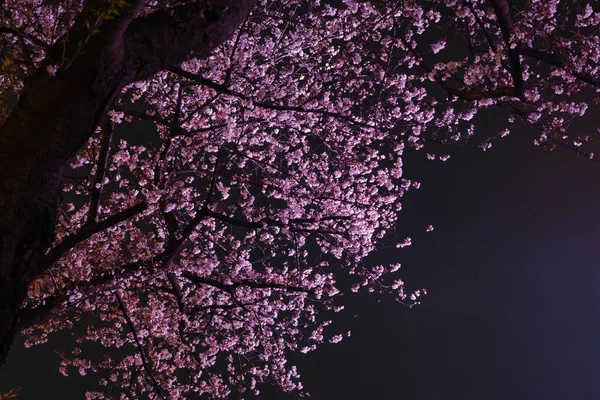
(56, 115)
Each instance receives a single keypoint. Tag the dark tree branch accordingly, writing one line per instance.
(174, 248)
(489, 39)
(17, 32)
(229, 288)
(161, 121)
(558, 62)
(220, 88)
(172, 225)
(155, 41)
(146, 361)
(177, 292)
(268, 222)
(312, 220)
(97, 184)
(31, 315)
(467, 95)
(53, 306)
(174, 125)
(502, 11)
(87, 231)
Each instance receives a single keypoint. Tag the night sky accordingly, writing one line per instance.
(513, 306)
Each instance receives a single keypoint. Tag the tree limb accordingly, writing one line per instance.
(88, 230)
(97, 184)
(146, 361)
(263, 104)
(502, 11)
(155, 42)
(555, 60)
(229, 288)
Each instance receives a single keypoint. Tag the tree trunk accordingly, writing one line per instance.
(56, 115)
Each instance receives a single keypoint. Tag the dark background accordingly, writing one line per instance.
(512, 311)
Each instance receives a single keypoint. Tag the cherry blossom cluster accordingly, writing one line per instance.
(218, 241)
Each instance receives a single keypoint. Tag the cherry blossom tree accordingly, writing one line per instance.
(221, 239)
